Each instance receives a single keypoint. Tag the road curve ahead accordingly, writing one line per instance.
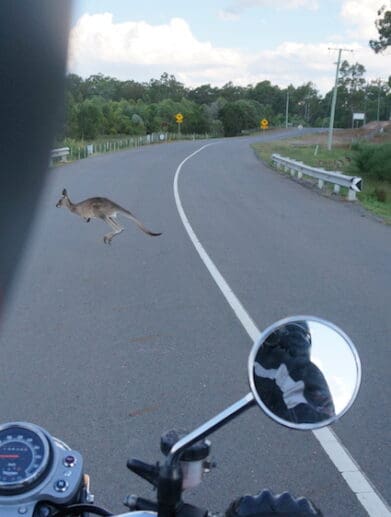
(108, 346)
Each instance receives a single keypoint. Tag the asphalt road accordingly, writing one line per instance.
(107, 347)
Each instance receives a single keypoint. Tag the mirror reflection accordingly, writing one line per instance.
(304, 372)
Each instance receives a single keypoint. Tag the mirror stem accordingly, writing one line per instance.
(209, 427)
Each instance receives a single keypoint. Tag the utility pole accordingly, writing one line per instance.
(287, 108)
(334, 101)
(379, 83)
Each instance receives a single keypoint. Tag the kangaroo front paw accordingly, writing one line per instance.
(107, 240)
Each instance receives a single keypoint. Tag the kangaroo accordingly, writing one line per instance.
(101, 208)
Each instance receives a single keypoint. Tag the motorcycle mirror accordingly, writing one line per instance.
(304, 372)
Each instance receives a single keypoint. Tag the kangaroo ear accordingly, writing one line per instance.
(64, 192)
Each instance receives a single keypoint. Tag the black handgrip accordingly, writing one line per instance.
(135, 503)
(267, 504)
(148, 472)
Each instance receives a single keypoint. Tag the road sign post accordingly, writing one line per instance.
(179, 121)
(264, 123)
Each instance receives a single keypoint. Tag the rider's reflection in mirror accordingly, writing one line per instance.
(288, 383)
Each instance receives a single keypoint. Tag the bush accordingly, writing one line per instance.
(380, 195)
(238, 116)
(372, 161)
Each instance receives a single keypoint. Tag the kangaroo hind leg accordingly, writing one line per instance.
(117, 229)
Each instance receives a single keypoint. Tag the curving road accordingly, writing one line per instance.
(107, 347)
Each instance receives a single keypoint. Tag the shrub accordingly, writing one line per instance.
(372, 161)
(381, 195)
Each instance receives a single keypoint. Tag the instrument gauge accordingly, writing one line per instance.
(24, 456)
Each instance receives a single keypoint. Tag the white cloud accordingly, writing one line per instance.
(360, 16)
(228, 15)
(141, 51)
(277, 4)
(97, 37)
(297, 63)
(238, 6)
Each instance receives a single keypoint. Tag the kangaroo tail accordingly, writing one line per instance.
(129, 215)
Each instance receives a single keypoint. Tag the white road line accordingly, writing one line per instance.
(365, 492)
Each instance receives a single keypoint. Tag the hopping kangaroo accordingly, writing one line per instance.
(101, 208)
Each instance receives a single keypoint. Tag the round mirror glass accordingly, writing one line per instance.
(304, 372)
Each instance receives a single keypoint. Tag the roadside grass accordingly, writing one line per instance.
(375, 195)
(81, 149)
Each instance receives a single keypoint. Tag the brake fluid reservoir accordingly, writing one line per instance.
(192, 459)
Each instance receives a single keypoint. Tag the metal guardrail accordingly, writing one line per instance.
(352, 183)
(62, 152)
(80, 151)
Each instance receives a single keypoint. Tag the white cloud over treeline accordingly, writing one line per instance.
(139, 50)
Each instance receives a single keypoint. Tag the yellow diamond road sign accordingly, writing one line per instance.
(264, 123)
(179, 118)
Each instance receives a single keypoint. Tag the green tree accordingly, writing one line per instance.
(271, 97)
(111, 117)
(126, 123)
(196, 119)
(306, 105)
(166, 111)
(353, 81)
(351, 94)
(129, 107)
(204, 94)
(90, 119)
(167, 87)
(239, 115)
(351, 76)
(74, 86)
(383, 25)
(131, 90)
(230, 92)
(100, 85)
(377, 100)
(71, 125)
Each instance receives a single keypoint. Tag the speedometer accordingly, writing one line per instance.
(24, 456)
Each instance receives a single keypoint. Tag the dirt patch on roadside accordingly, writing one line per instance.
(374, 132)
(378, 125)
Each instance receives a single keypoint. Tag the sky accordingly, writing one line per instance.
(218, 41)
(333, 355)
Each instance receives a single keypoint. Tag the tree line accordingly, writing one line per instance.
(101, 105)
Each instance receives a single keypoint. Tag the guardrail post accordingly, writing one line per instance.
(351, 195)
(338, 179)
